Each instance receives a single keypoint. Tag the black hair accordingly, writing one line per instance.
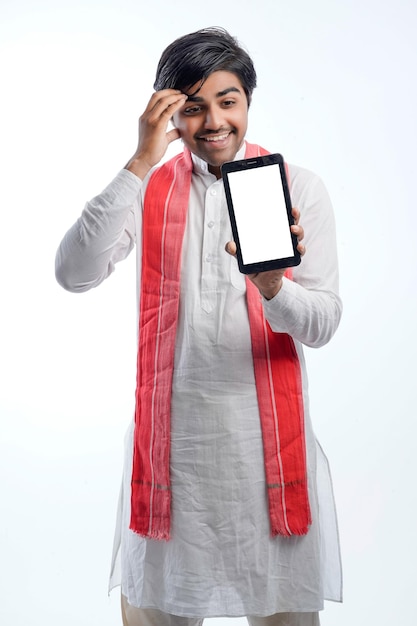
(192, 58)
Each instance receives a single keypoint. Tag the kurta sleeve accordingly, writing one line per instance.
(309, 307)
(104, 234)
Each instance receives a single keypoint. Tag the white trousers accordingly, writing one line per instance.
(133, 616)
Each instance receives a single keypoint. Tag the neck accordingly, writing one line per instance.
(215, 170)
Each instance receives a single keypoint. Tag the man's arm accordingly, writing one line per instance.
(105, 233)
(309, 307)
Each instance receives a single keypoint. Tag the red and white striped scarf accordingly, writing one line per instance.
(276, 366)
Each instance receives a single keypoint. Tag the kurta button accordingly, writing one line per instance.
(210, 224)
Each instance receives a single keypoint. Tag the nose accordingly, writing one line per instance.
(214, 118)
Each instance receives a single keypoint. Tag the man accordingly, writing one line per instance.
(226, 507)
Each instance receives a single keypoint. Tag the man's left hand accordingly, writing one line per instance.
(269, 283)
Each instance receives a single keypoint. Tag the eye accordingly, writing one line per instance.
(193, 110)
(228, 103)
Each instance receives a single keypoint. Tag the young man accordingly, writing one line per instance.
(226, 507)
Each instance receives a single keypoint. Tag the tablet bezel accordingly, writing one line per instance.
(245, 165)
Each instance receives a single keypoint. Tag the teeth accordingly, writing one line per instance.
(218, 138)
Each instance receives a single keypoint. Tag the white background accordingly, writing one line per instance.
(337, 95)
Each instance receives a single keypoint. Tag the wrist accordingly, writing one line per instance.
(270, 293)
(138, 166)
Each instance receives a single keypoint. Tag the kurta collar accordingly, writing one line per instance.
(201, 167)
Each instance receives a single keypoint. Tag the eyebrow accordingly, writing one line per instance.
(219, 94)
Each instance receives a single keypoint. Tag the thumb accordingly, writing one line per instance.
(230, 247)
(172, 135)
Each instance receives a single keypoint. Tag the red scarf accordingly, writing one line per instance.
(276, 366)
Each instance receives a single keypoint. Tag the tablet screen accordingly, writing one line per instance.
(260, 214)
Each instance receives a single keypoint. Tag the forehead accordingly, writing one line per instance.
(216, 85)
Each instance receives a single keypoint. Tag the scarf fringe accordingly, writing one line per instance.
(153, 533)
(297, 531)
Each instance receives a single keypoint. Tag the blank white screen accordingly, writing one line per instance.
(261, 214)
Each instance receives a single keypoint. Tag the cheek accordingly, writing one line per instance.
(181, 123)
(242, 120)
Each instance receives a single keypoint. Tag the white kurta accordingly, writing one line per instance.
(221, 560)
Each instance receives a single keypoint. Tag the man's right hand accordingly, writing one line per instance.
(153, 136)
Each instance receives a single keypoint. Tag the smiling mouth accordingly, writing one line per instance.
(214, 138)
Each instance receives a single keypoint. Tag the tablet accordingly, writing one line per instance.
(259, 204)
